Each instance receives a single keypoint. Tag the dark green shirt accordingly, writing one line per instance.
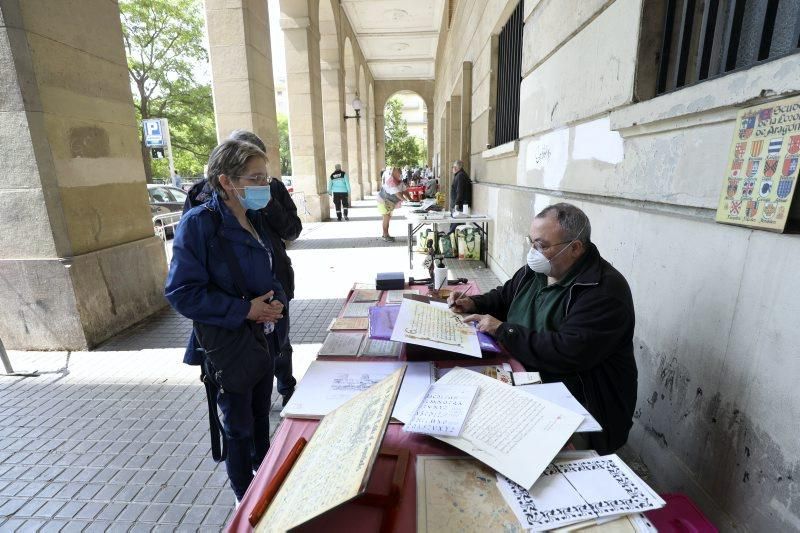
(541, 307)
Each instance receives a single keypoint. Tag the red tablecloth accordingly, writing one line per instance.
(352, 517)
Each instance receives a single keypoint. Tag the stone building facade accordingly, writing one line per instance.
(715, 340)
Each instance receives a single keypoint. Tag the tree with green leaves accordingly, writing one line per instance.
(164, 44)
(283, 145)
(401, 148)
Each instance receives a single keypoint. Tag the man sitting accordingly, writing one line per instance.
(568, 314)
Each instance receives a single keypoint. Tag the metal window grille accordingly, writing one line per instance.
(703, 39)
(509, 77)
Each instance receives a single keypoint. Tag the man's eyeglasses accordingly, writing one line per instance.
(258, 179)
(536, 245)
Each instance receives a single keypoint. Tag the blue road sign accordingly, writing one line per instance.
(153, 133)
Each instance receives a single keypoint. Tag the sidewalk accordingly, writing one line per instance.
(117, 438)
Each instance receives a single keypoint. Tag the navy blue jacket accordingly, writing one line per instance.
(200, 285)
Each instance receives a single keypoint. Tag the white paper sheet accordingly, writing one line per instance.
(342, 343)
(575, 491)
(443, 410)
(430, 325)
(560, 395)
(526, 378)
(357, 309)
(328, 384)
(396, 296)
(380, 348)
(515, 433)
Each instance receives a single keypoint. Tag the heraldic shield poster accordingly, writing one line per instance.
(762, 166)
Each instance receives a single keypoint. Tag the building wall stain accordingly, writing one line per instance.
(735, 461)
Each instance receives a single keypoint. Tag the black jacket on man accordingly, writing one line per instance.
(280, 222)
(592, 351)
(460, 190)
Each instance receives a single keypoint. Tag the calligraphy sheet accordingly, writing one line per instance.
(443, 410)
(335, 465)
(460, 494)
(380, 348)
(432, 326)
(357, 309)
(342, 344)
(349, 323)
(575, 491)
(326, 385)
(560, 395)
(396, 296)
(513, 432)
(366, 295)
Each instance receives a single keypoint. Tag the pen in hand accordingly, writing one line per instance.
(450, 306)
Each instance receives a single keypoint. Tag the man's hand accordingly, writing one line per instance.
(263, 310)
(460, 303)
(484, 323)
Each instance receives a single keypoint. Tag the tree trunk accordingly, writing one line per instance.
(145, 108)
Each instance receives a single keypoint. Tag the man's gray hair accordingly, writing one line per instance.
(574, 222)
(248, 137)
(337, 166)
(458, 164)
(230, 158)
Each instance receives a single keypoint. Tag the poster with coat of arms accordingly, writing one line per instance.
(762, 167)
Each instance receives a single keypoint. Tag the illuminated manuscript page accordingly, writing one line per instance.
(514, 432)
(335, 465)
(435, 327)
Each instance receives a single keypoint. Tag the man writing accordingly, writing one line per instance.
(568, 314)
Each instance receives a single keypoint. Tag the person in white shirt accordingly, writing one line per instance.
(391, 195)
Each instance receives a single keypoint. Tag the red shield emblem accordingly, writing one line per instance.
(746, 126)
(733, 185)
(736, 206)
(748, 186)
(789, 165)
(751, 209)
(736, 167)
(770, 166)
(794, 144)
(755, 148)
(739, 150)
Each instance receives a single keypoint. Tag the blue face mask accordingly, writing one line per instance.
(255, 197)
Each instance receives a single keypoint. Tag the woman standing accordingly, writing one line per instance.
(221, 277)
(339, 186)
(391, 195)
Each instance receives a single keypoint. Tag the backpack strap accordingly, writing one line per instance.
(219, 451)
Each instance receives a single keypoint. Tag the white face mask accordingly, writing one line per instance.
(541, 264)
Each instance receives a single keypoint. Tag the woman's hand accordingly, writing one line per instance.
(460, 303)
(263, 310)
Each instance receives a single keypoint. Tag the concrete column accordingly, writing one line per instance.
(333, 116)
(354, 149)
(79, 261)
(380, 147)
(301, 38)
(466, 115)
(365, 168)
(241, 72)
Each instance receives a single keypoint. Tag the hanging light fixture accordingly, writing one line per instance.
(356, 103)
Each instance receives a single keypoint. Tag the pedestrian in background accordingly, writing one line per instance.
(339, 187)
(391, 195)
(176, 180)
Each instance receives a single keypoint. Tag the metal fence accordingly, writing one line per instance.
(509, 78)
(702, 39)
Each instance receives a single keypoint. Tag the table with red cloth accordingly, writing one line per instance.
(353, 517)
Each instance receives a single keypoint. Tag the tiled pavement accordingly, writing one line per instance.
(117, 438)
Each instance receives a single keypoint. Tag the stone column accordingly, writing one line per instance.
(241, 72)
(466, 115)
(380, 147)
(430, 138)
(354, 149)
(79, 260)
(301, 38)
(333, 116)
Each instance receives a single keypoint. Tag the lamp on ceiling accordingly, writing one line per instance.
(357, 108)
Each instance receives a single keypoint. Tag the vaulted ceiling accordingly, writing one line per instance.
(398, 37)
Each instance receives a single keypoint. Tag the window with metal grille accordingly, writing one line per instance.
(703, 39)
(509, 77)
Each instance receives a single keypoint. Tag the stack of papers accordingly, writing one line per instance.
(569, 492)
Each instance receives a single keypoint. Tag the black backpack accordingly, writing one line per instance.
(199, 194)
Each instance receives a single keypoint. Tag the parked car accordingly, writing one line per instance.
(164, 199)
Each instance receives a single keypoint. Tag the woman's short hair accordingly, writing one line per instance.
(248, 137)
(572, 220)
(230, 158)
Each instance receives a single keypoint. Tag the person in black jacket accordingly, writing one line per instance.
(282, 224)
(460, 190)
(568, 314)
